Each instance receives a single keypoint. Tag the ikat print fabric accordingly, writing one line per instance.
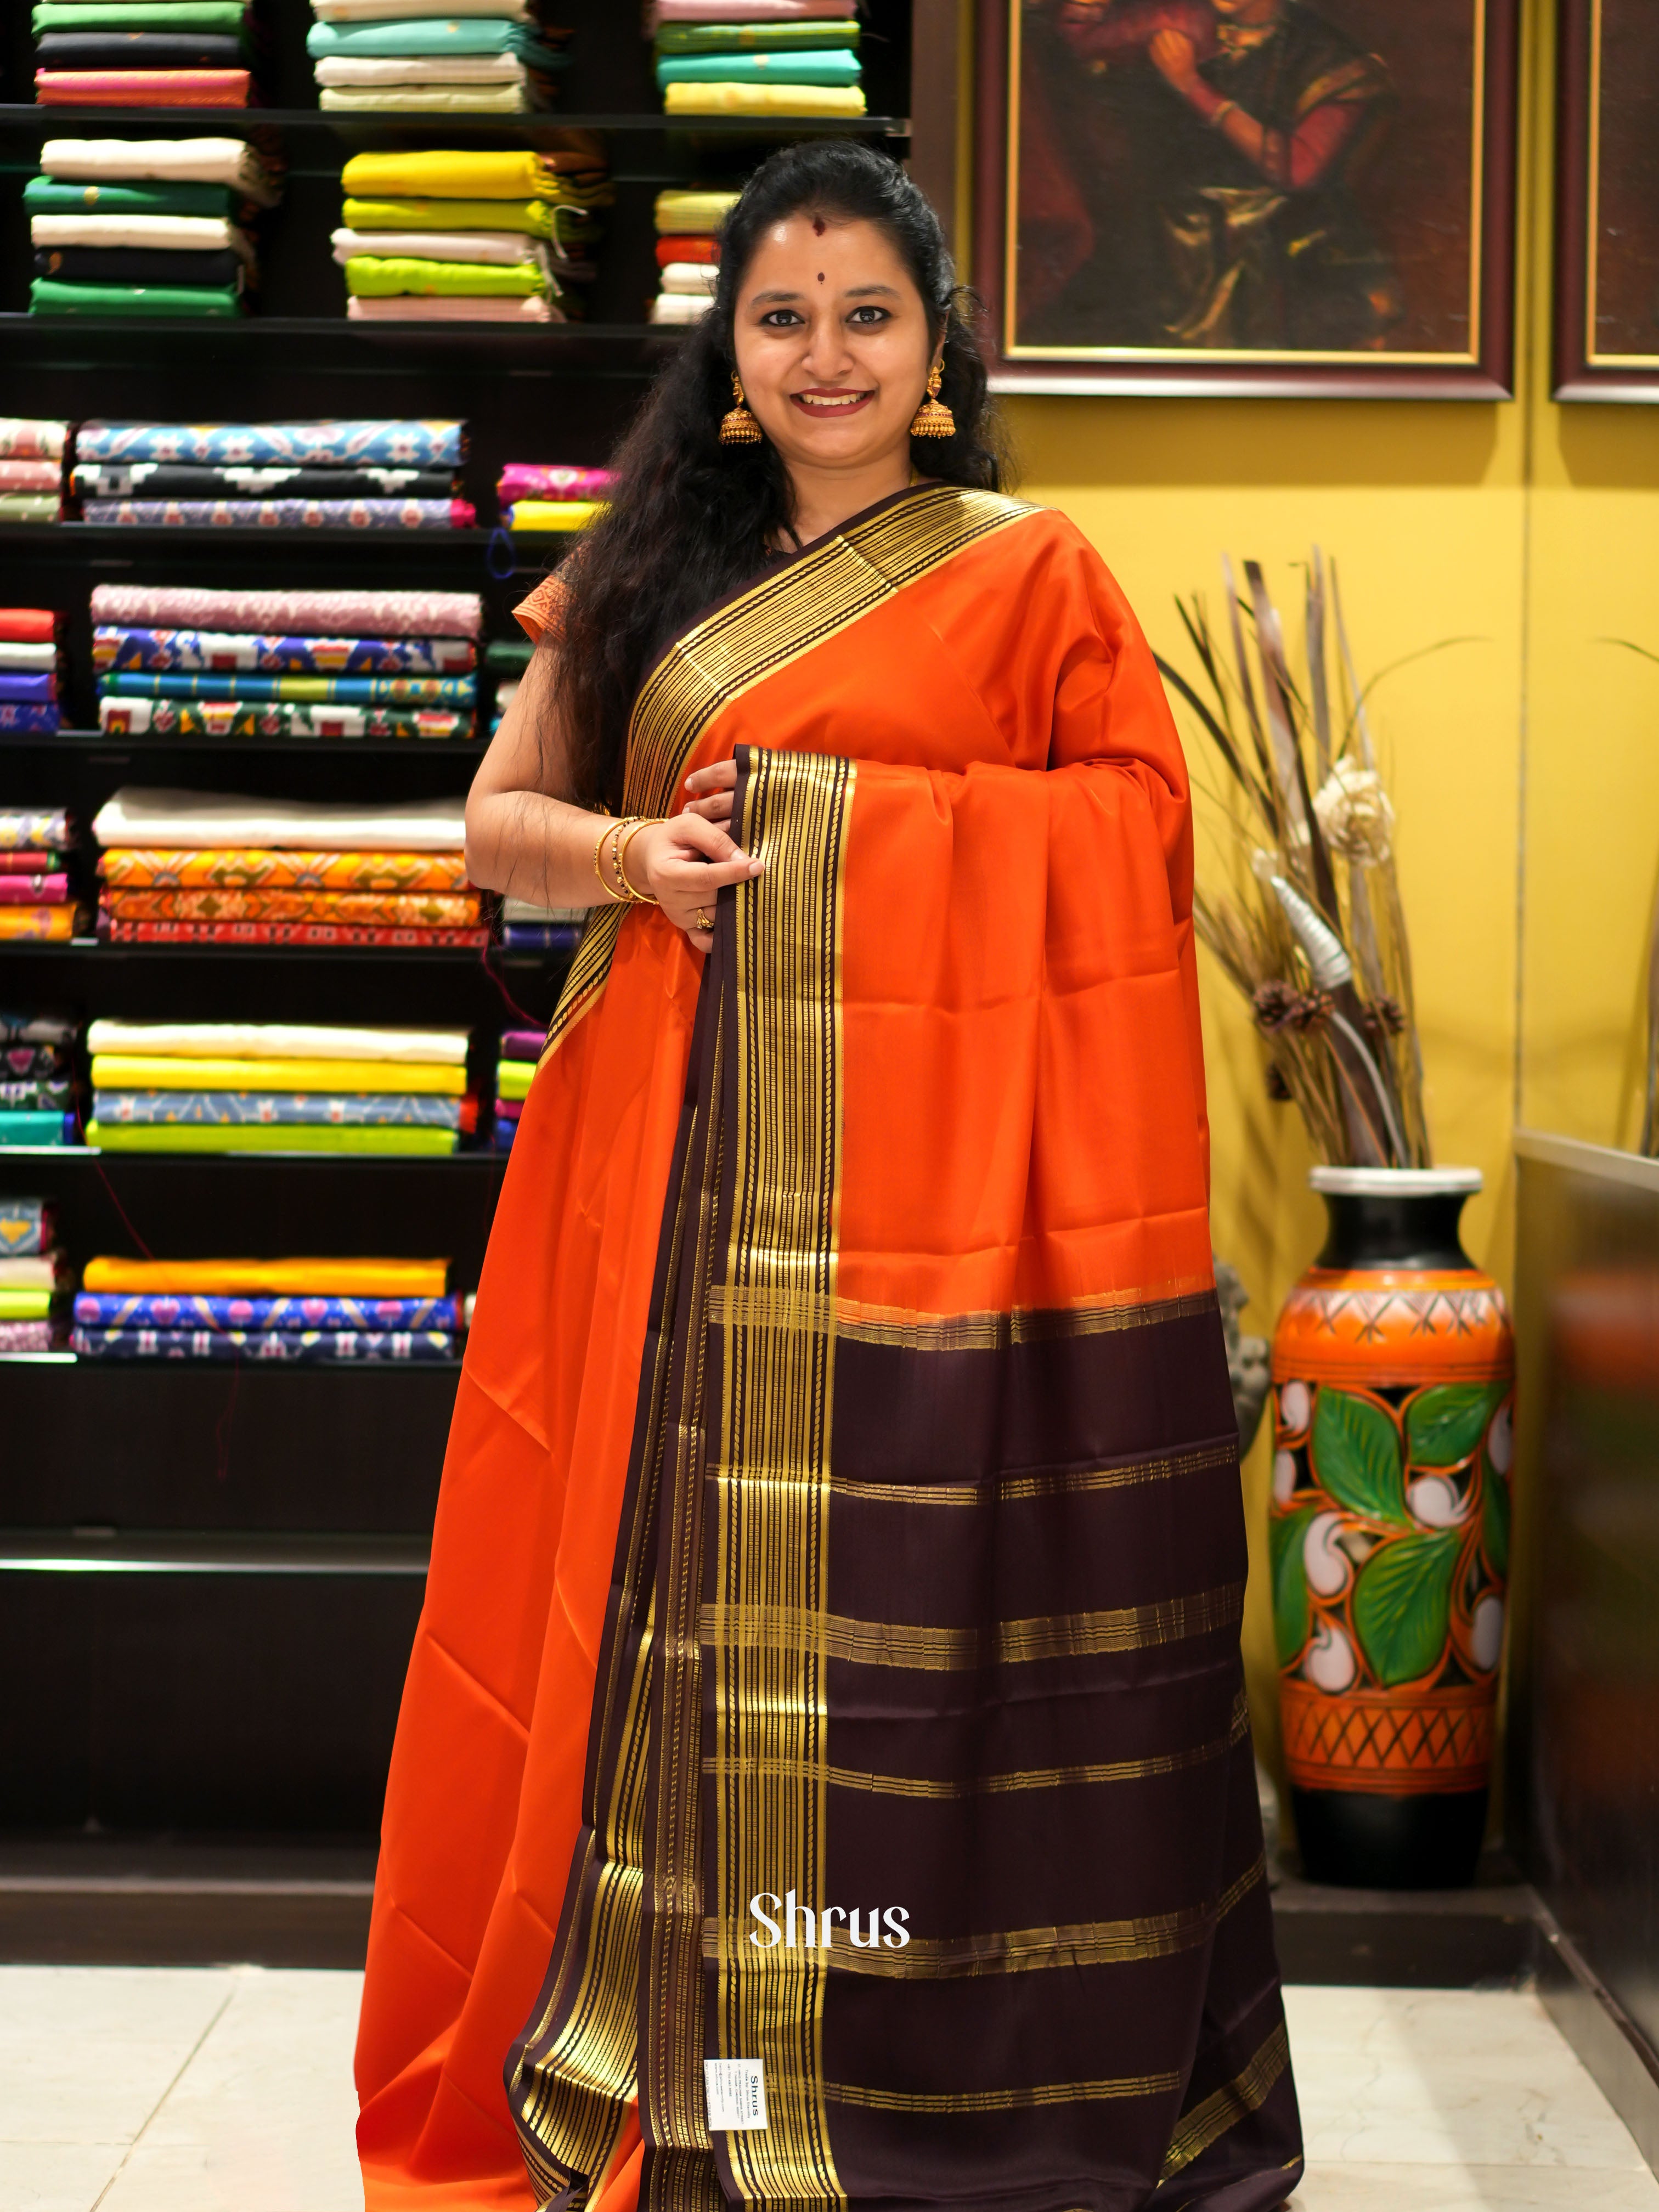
(338, 444)
(285, 513)
(212, 651)
(232, 717)
(310, 1346)
(25, 1226)
(238, 1108)
(264, 867)
(159, 1309)
(312, 614)
(27, 827)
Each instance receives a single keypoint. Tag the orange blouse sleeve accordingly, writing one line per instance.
(541, 610)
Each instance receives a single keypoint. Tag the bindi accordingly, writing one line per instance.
(819, 226)
(820, 275)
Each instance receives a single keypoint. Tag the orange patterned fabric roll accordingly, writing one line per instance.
(262, 869)
(390, 910)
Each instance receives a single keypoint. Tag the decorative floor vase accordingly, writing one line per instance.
(1394, 1369)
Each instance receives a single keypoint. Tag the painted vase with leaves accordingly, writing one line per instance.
(1393, 1361)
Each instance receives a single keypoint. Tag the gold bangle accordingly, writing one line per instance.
(616, 898)
(632, 830)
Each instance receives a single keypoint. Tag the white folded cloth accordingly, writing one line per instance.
(698, 278)
(446, 98)
(453, 307)
(508, 247)
(202, 233)
(189, 820)
(421, 69)
(278, 1041)
(402, 11)
(27, 656)
(174, 161)
(679, 308)
(35, 1273)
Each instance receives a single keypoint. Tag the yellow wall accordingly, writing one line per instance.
(1524, 766)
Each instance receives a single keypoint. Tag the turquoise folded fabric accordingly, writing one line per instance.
(473, 35)
(838, 66)
(27, 1126)
(47, 297)
(221, 17)
(59, 196)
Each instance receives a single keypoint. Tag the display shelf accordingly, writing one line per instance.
(311, 342)
(84, 1551)
(66, 542)
(470, 749)
(555, 127)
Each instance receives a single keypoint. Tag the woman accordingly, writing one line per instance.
(829, 1664)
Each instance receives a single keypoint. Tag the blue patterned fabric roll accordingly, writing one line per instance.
(352, 690)
(401, 445)
(281, 513)
(166, 650)
(304, 1345)
(159, 1309)
(244, 1109)
(25, 1227)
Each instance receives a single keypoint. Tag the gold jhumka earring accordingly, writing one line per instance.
(739, 427)
(932, 419)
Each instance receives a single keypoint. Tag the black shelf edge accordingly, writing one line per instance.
(446, 956)
(449, 1161)
(79, 1551)
(334, 343)
(110, 741)
(26, 118)
(104, 536)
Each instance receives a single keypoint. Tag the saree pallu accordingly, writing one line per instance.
(858, 1701)
(190, 649)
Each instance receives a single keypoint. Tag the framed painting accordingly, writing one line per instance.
(1273, 197)
(1607, 233)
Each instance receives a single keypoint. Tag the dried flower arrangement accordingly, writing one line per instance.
(1311, 929)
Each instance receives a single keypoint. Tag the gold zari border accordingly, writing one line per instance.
(1235, 2100)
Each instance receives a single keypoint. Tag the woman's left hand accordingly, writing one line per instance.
(712, 790)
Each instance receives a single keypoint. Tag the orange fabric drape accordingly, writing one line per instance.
(1016, 760)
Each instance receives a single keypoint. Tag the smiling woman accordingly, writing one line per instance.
(842, 1498)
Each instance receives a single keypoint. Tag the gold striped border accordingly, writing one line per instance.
(1028, 1950)
(940, 1651)
(741, 1306)
(1234, 2101)
(1066, 1482)
(943, 2103)
(1036, 1778)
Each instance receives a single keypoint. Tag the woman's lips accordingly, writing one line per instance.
(828, 405)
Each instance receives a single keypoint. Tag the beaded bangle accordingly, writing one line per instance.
(624, 838)
(616, 898)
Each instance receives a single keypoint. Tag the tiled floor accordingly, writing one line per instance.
(229, 2090)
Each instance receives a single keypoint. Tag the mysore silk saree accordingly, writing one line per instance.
(830, 1660)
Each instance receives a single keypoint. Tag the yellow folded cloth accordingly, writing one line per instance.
(121, 1071)
(763, 99)
(441, 174)
(327, 1279)
(514, 1077)
(556, 513)
(25, 1305)
(694, 214)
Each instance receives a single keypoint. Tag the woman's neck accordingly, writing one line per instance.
(823, 498)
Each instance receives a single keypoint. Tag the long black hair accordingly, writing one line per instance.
(690, 519)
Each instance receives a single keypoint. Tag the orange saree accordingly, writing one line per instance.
(829, 1666)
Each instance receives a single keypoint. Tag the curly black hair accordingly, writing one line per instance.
(690, 519)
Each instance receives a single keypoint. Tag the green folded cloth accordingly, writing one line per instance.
(534, 218)
(29, 505)
(49, 297)
(262, 1136)
(53, 196)
(752, 38)
(840, 66)
(476, 34)
(25, 1305)
(221, 17)
(371, 276)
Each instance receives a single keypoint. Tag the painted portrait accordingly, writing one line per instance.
(1607, 238)
(1214, 182)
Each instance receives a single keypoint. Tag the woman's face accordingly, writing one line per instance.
(832, 342)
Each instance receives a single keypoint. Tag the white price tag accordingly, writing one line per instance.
(736, 2089)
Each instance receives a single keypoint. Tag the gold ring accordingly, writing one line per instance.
(705, 921)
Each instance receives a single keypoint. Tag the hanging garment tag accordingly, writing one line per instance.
(736, 2089)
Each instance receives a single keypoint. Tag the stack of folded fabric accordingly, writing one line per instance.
(515, 1065)
(278, 1087)
(39, 1101)
(145, 226)
(31, 471)
(505, 660)
(144, 53)
(31, 1270)
(758, 57)
(527, 928)
(533, 496)
(688, 253)
(287, 1310)
(28, 679)
(469, 237)
(361, 475)
(186, 867)
(488, 57)
(33, 840)
(285, 664)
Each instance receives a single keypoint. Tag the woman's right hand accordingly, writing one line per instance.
(682, 862)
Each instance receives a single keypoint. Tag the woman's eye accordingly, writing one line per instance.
(779, 319)
(870, 315)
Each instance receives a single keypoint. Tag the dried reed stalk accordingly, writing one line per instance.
(1308, 924)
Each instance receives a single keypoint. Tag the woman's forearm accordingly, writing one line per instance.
(528, 846)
